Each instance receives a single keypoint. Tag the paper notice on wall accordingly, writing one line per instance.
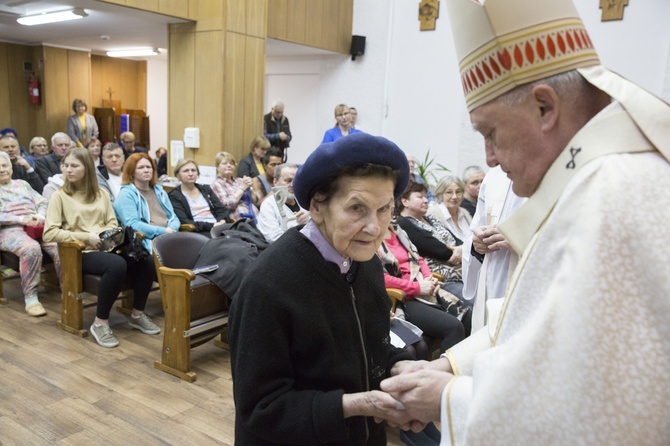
(176, 151)
(207, 175)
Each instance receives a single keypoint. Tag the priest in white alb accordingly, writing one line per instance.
(579, 350)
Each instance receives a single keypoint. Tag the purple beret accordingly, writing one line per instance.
(354, 150)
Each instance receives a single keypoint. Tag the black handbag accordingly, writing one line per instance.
(124, 242)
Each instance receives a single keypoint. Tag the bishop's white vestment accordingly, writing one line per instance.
(581, 351)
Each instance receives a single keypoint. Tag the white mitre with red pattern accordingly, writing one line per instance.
(502, 44)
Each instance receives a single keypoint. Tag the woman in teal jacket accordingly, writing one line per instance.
(142, 204)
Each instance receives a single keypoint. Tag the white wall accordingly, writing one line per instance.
(407, 88)
(157, 102)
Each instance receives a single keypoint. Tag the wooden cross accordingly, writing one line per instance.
(429, 11)
(110, 92)
(612, 9)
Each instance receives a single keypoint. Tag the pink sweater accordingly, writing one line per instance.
(410, 288)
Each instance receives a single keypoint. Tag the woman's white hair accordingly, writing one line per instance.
(5, 156)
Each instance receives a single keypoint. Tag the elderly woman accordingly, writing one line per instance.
(449, 193)
(236, 194)
(252, 164)
(21, 169)
(194, 203)
(81, 126)
(21, 206)
(142, 204)
(38, 147)
(321, 308)
(79, 211)
(342, 125)
(434, 242)
(95, 147)
(436, 313)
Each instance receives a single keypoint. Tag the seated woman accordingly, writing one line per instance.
(449, 194)
(436, 313)
(21, 206)
(142, 204)
(194, 203)
(432, 239)
(38, 147)
(235, 193)
(79, 211)
(321, 308)
(95, 147)
(251, 165)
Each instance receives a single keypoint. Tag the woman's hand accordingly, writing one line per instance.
(32, 220)
(457, 255)
(93, 240)
(247, 182)
(429, 286)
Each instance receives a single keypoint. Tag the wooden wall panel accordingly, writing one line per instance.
(4, 80)
(126, 79)
(210, 15)
(209, 98)
(56, 95)
(313, 27)
(325, 24)
(254, 88)
(297, 21)
(256, 18)
(145, 5)
(79, 80)
(181, 85)
(277, 19)
(233, 137)
(236, 16)
(174, 8)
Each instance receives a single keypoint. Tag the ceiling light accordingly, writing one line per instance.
(133, 52)
(52, 17)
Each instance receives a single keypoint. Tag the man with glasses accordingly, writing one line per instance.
(110, 171)
(128, 143)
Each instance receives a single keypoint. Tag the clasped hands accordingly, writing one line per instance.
(410, 399)
(486, 239)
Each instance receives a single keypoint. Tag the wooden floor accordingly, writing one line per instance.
(59, 389)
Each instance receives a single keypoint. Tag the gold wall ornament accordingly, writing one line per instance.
(612, 9)
(429, 11)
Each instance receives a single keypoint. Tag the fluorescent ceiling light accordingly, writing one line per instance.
(133, 52)
(52, 17)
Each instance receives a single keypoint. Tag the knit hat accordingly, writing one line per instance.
(354, 150)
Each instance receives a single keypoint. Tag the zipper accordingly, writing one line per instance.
(365, 354)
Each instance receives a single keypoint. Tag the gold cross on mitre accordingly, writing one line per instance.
(612, 9)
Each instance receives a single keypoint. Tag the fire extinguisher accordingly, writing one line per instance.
(34, 90)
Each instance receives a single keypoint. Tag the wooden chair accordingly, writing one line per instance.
(195, 309)
(77, 285)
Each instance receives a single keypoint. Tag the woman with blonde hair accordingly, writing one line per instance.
(342, 125)
(81, 126)
(236, 194)
(80, 211)
(252, 164)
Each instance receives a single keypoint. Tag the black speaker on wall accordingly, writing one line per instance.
(357, 46)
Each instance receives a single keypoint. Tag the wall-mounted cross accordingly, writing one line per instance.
(110, 93)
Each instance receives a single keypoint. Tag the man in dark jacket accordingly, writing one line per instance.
(49, 165)
(21, 170)
(276, 128)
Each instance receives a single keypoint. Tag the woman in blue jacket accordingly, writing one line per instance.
(142, 204)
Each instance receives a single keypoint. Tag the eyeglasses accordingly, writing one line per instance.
(128, 142)
(458, 193)
(40, 145)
